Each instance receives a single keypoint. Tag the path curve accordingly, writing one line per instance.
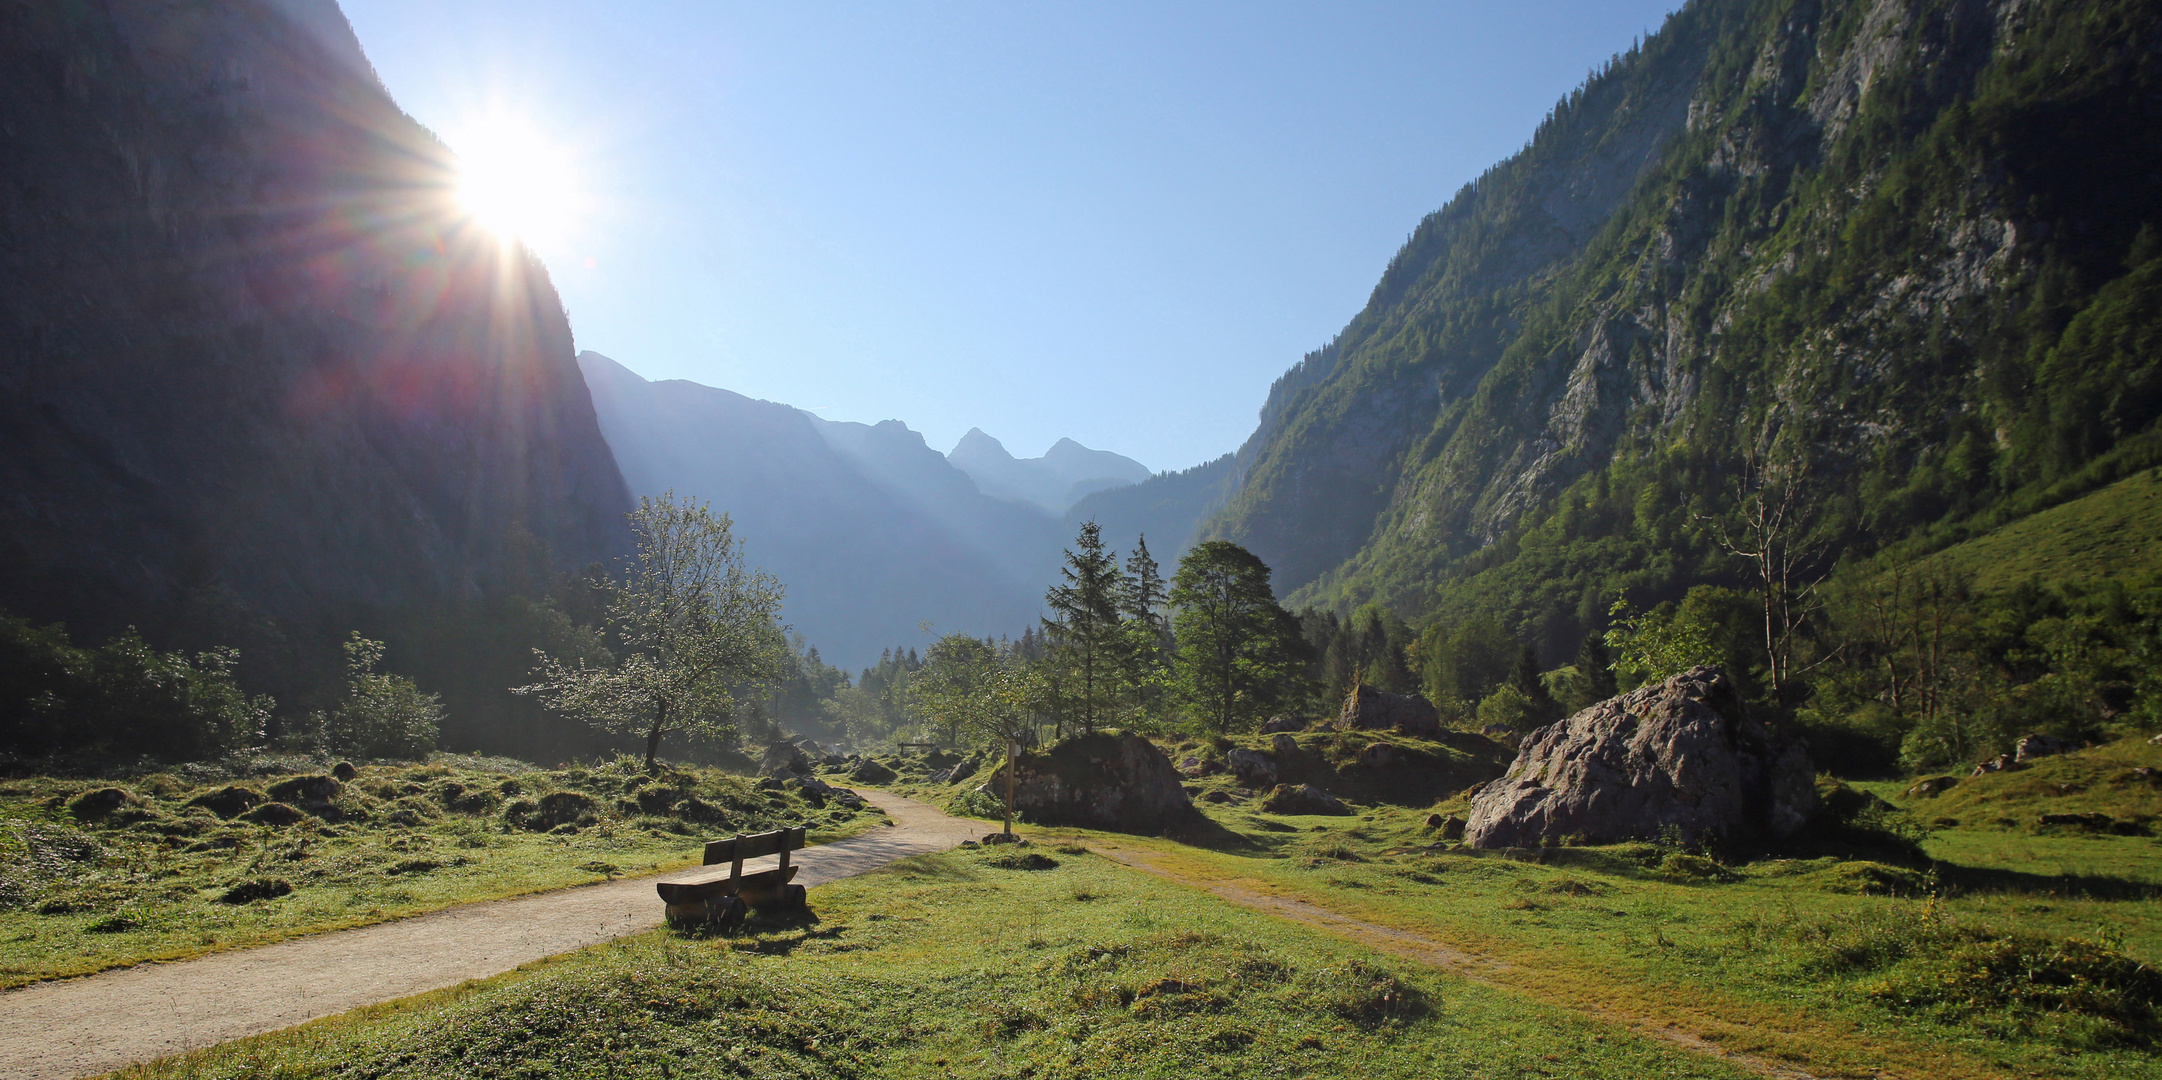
(82, 1027)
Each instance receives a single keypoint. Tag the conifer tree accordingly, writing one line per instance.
(1145, 632)
(1084, 628)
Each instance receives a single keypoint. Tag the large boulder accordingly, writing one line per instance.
(872, 771)
(1680, 755)
(1102, 781)
(1368, 709)
(1252, 767)
(784, 757)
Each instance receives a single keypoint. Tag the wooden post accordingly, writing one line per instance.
(1009, 786)
(735, 869)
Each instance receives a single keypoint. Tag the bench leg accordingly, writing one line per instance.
(727, 911)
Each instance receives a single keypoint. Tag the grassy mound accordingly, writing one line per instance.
(95, 874)
(946, 966)
(2102, 780)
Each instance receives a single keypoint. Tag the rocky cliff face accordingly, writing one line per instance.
(259, 379)
(1881, 240)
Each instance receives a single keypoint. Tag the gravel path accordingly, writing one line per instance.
(82, 1027)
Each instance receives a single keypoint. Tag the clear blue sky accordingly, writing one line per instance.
(1117, 222)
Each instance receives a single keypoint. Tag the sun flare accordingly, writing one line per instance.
(511, 180)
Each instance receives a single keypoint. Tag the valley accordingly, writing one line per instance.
(1701, 615)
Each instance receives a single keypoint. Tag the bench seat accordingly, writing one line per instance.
(697, 885)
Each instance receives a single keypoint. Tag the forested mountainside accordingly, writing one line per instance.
(871, 531)
(1903, 258)
(260, 384)
(1061, 477)
(1165, 508)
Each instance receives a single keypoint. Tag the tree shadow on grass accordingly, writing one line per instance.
(1207, 833)
(1970, 880)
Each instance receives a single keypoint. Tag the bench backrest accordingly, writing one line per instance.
(738, 848)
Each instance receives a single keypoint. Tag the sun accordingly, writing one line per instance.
(514, 182)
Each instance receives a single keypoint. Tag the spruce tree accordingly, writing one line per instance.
(1145, 632)
(1085, 624)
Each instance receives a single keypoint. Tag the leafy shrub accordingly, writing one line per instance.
(120, 697)
(382, 715)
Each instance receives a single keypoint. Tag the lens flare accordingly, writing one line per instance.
(511, 180)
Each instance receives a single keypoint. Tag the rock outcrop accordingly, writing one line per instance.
(1303, 799)
(2032, 747)
(1681, 755)
(1368, 709)
(1102, 781)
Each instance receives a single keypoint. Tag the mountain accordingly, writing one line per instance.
(1907, 253)
(261, 382)
(1166, 508)
(871, 530)
(1065, 474)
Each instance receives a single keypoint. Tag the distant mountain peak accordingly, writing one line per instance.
(1061, 477)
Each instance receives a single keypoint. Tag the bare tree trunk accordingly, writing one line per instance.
(653, 737)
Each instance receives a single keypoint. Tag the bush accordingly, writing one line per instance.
(122, 697)
(382, 715)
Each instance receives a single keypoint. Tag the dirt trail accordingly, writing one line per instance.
(81, 1027)
(1479, 969)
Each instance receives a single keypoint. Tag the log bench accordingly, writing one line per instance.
(724, 894)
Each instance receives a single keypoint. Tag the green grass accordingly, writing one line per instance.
(2108, 534)
(2010, 948)
(156, 878)
(948, 965)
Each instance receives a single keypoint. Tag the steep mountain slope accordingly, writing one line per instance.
(872, 531)
(260, 382)
(1903, 251)
(1064, 475)
(1165, 508)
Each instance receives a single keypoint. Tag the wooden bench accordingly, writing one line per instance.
(723, 896)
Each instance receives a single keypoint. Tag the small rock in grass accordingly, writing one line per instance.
(1932, 787)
